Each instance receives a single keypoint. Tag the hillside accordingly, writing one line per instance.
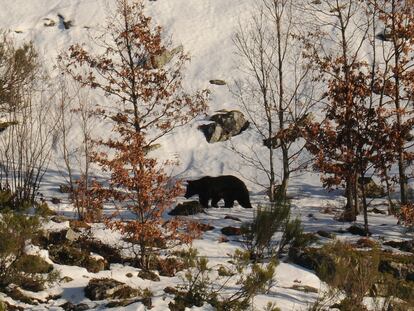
(206, 30)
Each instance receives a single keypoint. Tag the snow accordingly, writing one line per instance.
(205, 28)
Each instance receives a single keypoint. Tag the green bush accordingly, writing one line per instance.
(199, 286)
(43, 209)
(15, 231)
(258, 234)
(33, 264)
(10, 202)
(27, 271)
(353, 273)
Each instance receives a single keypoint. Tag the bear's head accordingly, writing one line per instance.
(191, 189)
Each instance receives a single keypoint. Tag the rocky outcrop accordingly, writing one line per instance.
(100, 289)
(224, 125)
(67, 254)
(186, 209)
(149, 275)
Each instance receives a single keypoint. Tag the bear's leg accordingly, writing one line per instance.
(228, 202)
(214, 201)
(245, 203)
(204, 201)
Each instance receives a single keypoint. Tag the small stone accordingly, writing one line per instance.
(229, 231)
(68, 306)
(357, 230)
(59, 219)
(149, 275)
(170, 290)
(121, 303)
(218, 82)
(205, 227)
(49, 22)
(82, 307)
(66, 279)
(325, 234)
(55, 200)
(305, 288)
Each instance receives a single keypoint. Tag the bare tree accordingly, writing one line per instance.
(75, 110)
(276, 90)
(25, 147)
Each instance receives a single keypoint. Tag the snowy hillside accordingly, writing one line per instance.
(206, 29)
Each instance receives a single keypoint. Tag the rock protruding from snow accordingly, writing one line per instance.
(229, 231)
(149, 275)
(100, 289)
(225, 125)
(186, 209)
(217, 82)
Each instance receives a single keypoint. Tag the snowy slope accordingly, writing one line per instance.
(205, 28)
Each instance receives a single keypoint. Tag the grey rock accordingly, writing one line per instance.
(72, 235)
(224, 125)
(187, 208)
(217, 82)
(100, 289)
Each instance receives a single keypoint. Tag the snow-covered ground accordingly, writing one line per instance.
(205, 28)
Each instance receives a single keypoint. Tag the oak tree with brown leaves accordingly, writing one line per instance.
(396, 79)
(342, 142)
(143, 77)
(138, 71)
(139, 185)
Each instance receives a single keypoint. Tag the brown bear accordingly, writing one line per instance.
(225, 187)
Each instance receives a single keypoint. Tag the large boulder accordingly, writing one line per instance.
(187, 208)
(225, 124)
(100, 289)
(71, 255)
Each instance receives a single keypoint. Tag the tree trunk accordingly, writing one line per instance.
(364, 205)
(282, 193)
(349, 213)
